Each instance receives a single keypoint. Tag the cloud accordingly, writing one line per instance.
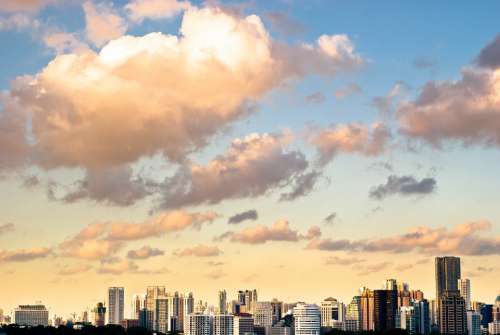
(216, 274)
(24, 255)
(138, 10)
(348, 90)
(315, 98)
(302, 185)
(335, 260)
(278, 231)
(331, 218)
(19, 22)
(284, 24)
(404, 267)
(489, 56)
(113, 186)
(372, 268)
(102, 23)
(144, 253)
(68, 270)
(64, 42)
(117, 106)
(30, 6)
(466, 111)
(385, 104)
(118, 268)
(463, 239)
(403, 185)
(351, 138)
(251, 214)
(212, 263)
(102, 240)
(199, 251)
(6, 228)
(251, 167)
(424, 63)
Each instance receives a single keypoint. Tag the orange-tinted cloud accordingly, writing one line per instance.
(102, 23)
(24, 255)
(144, 253)
(138, 10)
(200, 250)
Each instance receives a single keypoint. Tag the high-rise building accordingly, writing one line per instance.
(464, 288)
(332, 313)
(495, 310)
(243, 324)
(197, 324)
(160, 314)
(486, 311)
(452, 317)
(173, 311)
(277, 310)
(307, 319)
(416, 295)
(385, 309)
(116, 305)
(391, 284)
(408, 319)
(447, 274)
(138, 303)
(263, 315)
(494, 328)
(473, 323)
(187, 307)
(152, 293)
(353, 315)
(422, 315)
(31, 315)
(223, 324)
(222, 302)
(247, 299)
(99, 313)
(367, 310)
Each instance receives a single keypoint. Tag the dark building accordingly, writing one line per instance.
(145, 317)
(452, 314)
(447, 274)
(130, 323)
(486, 314)
(385, 309)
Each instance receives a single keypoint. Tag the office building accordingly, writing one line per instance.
(160, 314)
(408, 319)
(138, 303)
(263, 315)
(173, 311)
(495, 310)
(494, 328)
(464, 288)
(367, 310)
(452, 316)
(223, 324)
(31, 315)
(153, 292)
(277, 310)
(222, 297)
(247, 299)
(187, 308)
(332, 313)
(116, 305)
(447, 274)
(307, 319)
(473, 323)
(385, 305)
(243, 324)
(197, 324)
(99, 313)
(486, 311)
(130, 323)
(422, 316)
(353, 315)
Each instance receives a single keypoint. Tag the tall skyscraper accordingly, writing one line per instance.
(277, 310)
(173, 311)
(367, 310)
(116, 305)
(99, 313)
(464, 288)
(160, 314)
(385, 309)
(223, 324)
(307, 319)
(31, 315)
(152, 293)
(353, 315)
(187, 308)
(222, 302)
(447, 274)
(452, 316)
(332, 313)
(138, 303)
(197, 324)
(422, 315)
(247, 300)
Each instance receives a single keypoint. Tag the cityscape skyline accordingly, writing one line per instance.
(304, 148)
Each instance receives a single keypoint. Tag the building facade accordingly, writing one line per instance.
(307, 319)
(452, 316)
(116, 305)
(31, 315)
(223, 324)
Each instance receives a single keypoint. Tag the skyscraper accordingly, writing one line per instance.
(243, 324)
(152, 293)
(187, 308)
(277, 310)
(332, 313)
(160, 314)
(464, 288)
(353, 315)
(473, 323)
(99, 315)
(197, 324)
(452, 316)
(385, 309)
(447, 274)
(263, 315)
(247, 300)
(307, 319)
(367, 310)
(223, 324)
(222, 302)
(116, 305)
(173, 311)
(138, 303)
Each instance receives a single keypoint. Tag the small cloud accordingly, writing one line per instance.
(212, 263)
(403, 185)
(348, 90)
(404, 267)
(24, 255)
(303, 184)
(284, 23)
(216, 274)
(68, 270)
(6, 228)
(315, 98)
(243, 216)
(198, 251)
(118, 268)
(331, 218)
(335, 260)
(372, 268)
(144, 253)
(424, 63)
(381, 165)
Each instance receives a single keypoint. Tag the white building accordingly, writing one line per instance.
(464, 288)
(160, 314)
(473, 323)
(332, 313)
(197, 324)
(307, 319)
(187, 308)
(223, 324)
(31, 315)
(243, 324)
(116, 305)
(494, 328)
(263, 315)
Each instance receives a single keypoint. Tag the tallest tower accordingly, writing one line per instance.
(447, 274)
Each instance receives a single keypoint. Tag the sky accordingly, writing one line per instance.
(303, 148)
